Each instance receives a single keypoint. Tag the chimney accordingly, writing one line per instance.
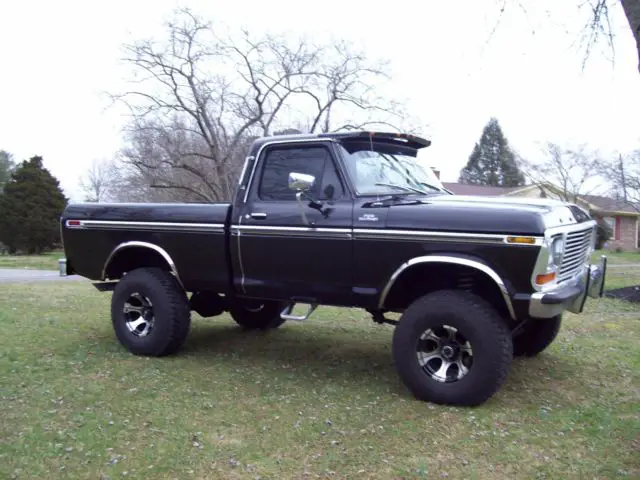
(436, 171)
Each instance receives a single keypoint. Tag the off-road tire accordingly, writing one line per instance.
(172, 316)
(247, 316)
(536, 335)
(479, 323)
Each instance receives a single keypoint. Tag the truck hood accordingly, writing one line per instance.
(502, 215)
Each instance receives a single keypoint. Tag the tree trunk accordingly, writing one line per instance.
(632, 11)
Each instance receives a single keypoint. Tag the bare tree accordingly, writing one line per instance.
(598, 25)
(624, 176)
(202, 97)
(6, 168)
(570, 170)
(100, 182)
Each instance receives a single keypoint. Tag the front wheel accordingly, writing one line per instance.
(150, 312)
(536, 335)
(452, 347)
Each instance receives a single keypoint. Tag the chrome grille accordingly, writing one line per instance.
(575, 253)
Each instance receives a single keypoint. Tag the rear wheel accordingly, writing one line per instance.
(257, 314)
(150, 312)
(536, 335)
(452, 347)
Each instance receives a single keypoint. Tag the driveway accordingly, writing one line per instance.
(15, 275)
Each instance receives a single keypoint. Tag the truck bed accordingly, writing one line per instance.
(193, 235)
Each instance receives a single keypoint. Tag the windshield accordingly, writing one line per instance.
(381, 170)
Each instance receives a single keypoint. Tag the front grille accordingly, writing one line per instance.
(575, 253)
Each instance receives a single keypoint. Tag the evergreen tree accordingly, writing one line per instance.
(30, 208)
(492, 162)
(6, 167)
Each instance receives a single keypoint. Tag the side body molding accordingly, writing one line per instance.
(452, 260)
(163, 253)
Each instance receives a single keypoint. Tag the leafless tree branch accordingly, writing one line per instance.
(598, 25)
(570, 170)
(201, 97)
(99, 183)
(624, 175)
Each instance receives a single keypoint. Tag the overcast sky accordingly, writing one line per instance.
(58, 59)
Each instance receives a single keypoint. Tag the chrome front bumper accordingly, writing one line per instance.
(571, 295)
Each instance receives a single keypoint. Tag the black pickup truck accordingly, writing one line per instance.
(354, 220)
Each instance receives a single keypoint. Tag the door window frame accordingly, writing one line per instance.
(256, 180)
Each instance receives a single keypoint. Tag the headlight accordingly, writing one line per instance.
(556, 251)
(554, 248)
(594, 240)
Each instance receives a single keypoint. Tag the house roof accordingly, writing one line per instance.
(608, 204)
(468, 189)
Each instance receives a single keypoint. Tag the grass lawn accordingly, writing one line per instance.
(620, 277)
(309, 400)
(623, 269)
(45, 261)
(617, 258)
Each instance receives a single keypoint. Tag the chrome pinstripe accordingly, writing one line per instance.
(427, 235)
(155, 226)
(381, 234)
(314, 232)
(346, 233)
(242, 276)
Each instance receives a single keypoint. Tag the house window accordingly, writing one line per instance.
(614, 224)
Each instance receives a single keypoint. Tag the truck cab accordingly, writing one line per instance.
(348, 220)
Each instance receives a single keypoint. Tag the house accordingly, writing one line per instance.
(622, 219)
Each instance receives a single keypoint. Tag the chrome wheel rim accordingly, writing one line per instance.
(444, 354)
(138, 313)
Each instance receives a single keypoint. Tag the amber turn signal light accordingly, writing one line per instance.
(525, 240)
(545, 278)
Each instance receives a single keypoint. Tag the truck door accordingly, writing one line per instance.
(281, 256)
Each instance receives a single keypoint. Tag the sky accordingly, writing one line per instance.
(60, 59)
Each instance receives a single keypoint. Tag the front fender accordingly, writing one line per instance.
(453, 260)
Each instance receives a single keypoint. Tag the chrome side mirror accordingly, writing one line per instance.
(301, 182)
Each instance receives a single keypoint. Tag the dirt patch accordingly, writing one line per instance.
(630, 294)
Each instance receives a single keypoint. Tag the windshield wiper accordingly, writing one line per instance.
(403, 187)
(432, 187)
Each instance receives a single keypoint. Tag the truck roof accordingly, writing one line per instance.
(412, 141)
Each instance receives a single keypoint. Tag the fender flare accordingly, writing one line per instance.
(467, 262)
(137, 244)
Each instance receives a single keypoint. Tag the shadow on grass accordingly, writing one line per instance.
(314, 357)
(316, 354)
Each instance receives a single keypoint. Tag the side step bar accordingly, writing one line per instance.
(287, 314)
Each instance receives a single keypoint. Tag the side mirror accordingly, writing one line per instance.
(301, 182)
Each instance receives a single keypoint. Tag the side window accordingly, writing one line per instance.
(331, 187)
(316, 161)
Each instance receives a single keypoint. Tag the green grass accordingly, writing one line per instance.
(45, 261)
(615, 258)
(309, 400)
(620, 277)
(623, 270)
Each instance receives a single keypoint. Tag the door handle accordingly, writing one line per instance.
(258, 215)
